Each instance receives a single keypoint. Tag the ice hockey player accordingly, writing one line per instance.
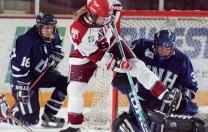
(34, 50)
(175, 70)
(91, 34)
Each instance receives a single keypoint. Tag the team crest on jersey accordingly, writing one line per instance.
(74, 33)
(149, 53)
(91, 39)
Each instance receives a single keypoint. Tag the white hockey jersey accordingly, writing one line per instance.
(87, 39)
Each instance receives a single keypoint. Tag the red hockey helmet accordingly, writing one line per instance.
(100, 8)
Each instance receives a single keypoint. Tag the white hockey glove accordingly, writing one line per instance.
(23, 93)
(116, 4)
(117, 8)
(110, 62)
(3, 107)
(173, 98)
(55, 58)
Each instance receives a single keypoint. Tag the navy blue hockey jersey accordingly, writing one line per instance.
(30, 56)
(175, 72)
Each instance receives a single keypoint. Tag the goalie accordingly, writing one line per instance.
(175, 70)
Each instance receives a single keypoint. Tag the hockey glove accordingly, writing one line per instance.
(117, 8)
(23, 93)
(102, 43)
(173, 98)
(116, 4)
(3, 107)
(110, 62)
(55, 58)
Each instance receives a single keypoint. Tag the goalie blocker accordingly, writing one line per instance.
(164, 123)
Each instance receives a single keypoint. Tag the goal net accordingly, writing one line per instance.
(191, 29)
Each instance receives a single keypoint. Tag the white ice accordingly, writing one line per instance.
(62, 113)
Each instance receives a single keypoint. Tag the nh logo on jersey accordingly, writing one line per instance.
(74, 33)
(149, 54)
(91, 39)
(167, 76)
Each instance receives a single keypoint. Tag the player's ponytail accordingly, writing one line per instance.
(80, 12)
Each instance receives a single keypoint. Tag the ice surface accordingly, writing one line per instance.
(62, 113)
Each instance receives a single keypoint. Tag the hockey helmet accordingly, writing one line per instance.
(46, 18)
(100, 9)
(164, 44)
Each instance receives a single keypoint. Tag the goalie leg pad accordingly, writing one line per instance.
(123, 123)
(177, 123)
(199, 125)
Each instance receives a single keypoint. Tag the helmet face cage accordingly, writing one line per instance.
(46, 18)
(164, 39)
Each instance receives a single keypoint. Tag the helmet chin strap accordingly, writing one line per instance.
(160, 58)
(48, 39)
(88, 20)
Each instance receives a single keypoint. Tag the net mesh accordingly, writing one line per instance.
(99, 114)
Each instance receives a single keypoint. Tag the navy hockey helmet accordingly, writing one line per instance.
(164, 44)
(46, 18)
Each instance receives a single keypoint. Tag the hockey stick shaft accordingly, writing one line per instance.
(135, 100)
(33, 85)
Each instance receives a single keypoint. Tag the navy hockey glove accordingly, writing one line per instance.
(173, 98)
(23, 93)
(55, 58)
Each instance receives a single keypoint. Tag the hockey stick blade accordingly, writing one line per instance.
(19, 122)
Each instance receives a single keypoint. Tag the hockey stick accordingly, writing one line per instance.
(133, 97)
(19, 122)
(9, 111)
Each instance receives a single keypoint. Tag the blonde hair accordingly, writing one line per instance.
(80, 12)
